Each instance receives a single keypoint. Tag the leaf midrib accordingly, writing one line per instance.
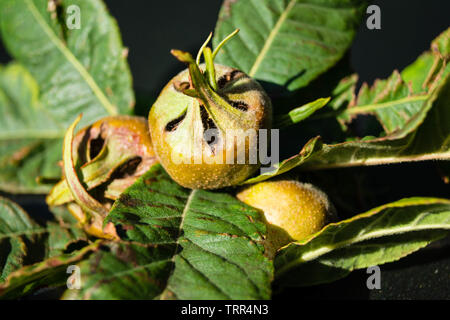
(370, 107)
(270, 39)
(383, 105)
(445, 155)
(316, 253)
(72, 59)
(274, 32)
(180, 230)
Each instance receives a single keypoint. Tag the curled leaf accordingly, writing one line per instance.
(383, 234)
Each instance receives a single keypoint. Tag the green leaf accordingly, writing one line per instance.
(311, 148)
(431, 141)
(78, 70)
(301, 113)
(29, 142)
(391, 101)
(402, 101)
(70, 72)
(121, 270)
(432, 65)
(211, 242)
(51, 272)
(383, 234)
(63, 231)
(24, 242)
(288, 43)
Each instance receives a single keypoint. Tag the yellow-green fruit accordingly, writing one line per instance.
(178, 123)
(206, 122)
(293, 210)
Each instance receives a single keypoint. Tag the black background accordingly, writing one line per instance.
(151, 28)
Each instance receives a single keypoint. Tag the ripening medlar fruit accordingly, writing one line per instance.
(109, 155)
(293, 210)
(198, 122)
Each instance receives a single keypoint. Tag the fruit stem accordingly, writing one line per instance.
(204, 83)
(202, 90)
(209, 56)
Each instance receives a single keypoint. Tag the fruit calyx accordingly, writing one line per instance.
(206, 122)
(203, 86)
(95, 210)
(99, 162)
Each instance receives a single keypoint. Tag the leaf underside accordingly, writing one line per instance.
(381, 235)
(203, 245)
(24, 242)
(402, 101)
(62, 73)
(430, 141)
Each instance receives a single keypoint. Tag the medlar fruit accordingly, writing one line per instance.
(293, 210)
(202, 116)
(106, 158)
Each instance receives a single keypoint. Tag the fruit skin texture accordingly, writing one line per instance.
(186, 140)
(110, 155)
(127, 138)
(293, 210)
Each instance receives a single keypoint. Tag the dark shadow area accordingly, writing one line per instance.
(423, 275)
(351, 287)
(356, 190)
(150, 29)
(407, 28)
(32, 204)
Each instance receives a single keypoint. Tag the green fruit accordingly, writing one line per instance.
(202, 99)
(293, 210)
